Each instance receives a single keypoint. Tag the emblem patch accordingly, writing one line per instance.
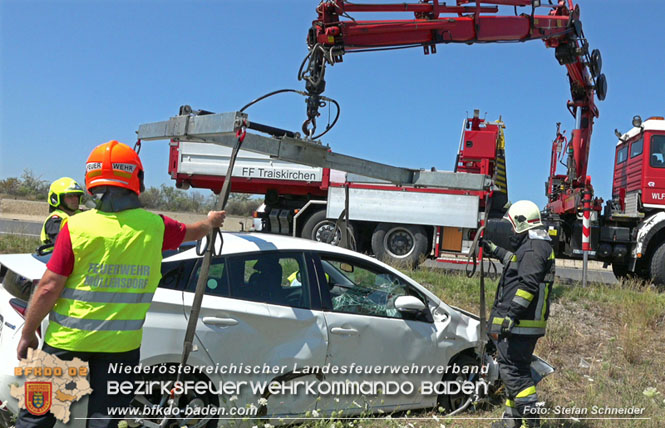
(38, 397)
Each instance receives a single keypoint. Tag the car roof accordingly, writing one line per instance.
(248, 242)
(26, 265)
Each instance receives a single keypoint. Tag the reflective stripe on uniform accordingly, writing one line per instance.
(511, 410)
(95, 325)
(529, 331)
(521, 301)
(526, 396)
(527, 327)
(106, 297)
(524, 294)
(509, 257)
(541, 300)
(523, 298)
(545, 300)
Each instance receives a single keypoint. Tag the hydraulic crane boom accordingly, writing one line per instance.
(335, 33)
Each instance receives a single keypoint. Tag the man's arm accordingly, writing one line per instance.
(196, 231)
(531, 273)
(48, 291)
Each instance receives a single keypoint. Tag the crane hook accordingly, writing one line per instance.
(306, 129)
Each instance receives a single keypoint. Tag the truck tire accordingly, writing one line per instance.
(319, 228)
(657, 269)
(399, 244)
(621, 271)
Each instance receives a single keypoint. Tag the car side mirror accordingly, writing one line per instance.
(345, 267)
(409, 304)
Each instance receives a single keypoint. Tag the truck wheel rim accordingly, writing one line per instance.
(399, 242)
(323, 231)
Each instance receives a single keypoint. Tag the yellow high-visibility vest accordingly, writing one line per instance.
(117, 267)
(63, 215)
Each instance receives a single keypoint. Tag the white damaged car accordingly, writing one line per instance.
(330, 328)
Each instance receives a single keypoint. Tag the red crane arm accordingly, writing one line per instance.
(335, 33)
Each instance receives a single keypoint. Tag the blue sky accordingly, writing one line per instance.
(75, 74)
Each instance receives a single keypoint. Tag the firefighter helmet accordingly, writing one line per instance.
(114, 164)
(61, 187)
(523, 216)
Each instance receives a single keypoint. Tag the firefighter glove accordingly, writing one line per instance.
(506, 328)
(489, 246)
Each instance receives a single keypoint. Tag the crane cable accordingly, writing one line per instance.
(213, 243)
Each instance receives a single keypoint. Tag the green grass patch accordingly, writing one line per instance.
(10, 244)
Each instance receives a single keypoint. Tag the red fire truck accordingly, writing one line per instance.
(400, 223)
(629, 233)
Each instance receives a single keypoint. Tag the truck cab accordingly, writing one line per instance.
(632, 236)
(638, 184)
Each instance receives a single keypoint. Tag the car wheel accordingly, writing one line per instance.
(454, 401)
(657, 269)
(401, 244)
(189, 400)
(322, 229)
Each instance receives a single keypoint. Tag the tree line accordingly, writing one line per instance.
(163, 198)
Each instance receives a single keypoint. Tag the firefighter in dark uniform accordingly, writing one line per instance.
(521, 307)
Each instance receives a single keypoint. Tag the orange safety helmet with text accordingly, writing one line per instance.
(114, 164)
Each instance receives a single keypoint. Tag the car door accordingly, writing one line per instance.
(365, 330)
(258, 318)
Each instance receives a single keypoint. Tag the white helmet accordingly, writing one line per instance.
(523, 216)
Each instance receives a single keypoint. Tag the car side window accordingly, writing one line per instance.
(176, 274)
(275, 278)
(217, 282)
(361, 288)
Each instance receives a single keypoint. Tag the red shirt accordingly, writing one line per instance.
(62, 259)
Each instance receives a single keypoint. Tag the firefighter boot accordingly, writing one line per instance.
(511, 417)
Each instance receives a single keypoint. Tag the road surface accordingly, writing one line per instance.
(20, 227)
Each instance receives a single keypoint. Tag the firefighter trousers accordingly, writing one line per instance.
(99, 399)
(514, 358)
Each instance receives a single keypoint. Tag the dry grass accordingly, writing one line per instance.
(10, 244)
(606, 342)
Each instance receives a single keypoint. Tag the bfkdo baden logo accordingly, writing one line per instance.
(51, 384)
(38, 397)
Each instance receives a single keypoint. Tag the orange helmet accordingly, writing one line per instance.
(114, 164)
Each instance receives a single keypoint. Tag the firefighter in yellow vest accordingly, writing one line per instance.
(521, 308)
(101, 277)
(64, 198)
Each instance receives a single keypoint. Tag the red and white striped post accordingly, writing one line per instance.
(586, 228)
